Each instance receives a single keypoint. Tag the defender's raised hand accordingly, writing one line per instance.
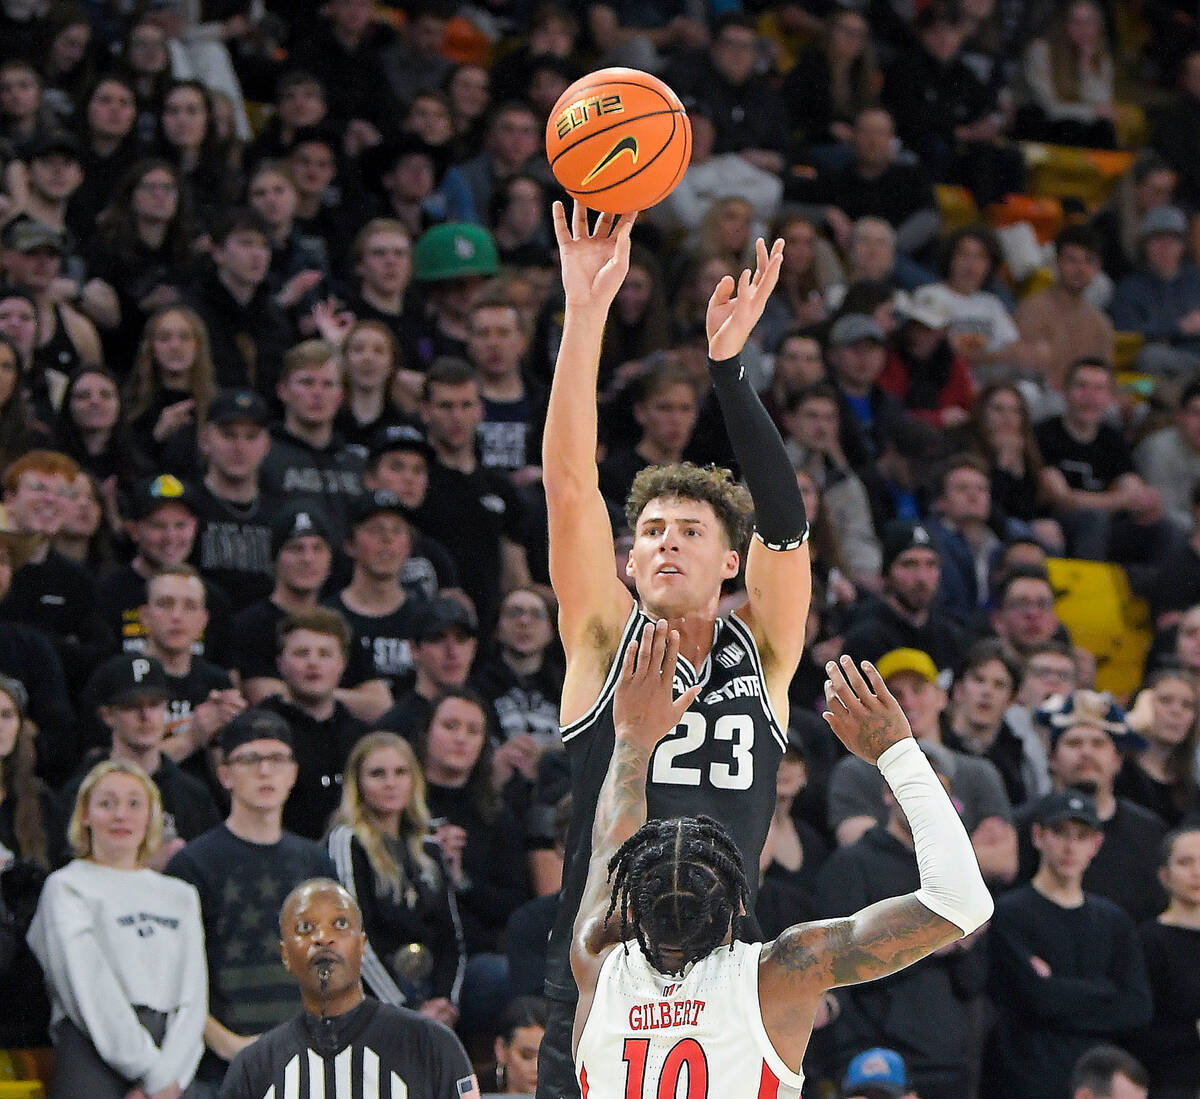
(862, 712)
(730, 319)
(595, 263)
(643, 709)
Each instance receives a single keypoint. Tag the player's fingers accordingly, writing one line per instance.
(644, 646)
(604, 226)
(685, 700)
(559, 213)
(835, 698)
(723, 292)
(876, 683)
(579, 226)
(837, 685)
(625, 227)
(761, 258)
(855, 679)
(629, 661)
(670, 653)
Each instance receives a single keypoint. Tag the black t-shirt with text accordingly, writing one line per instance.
(385, 639)
(1088, 467)
(233, 544)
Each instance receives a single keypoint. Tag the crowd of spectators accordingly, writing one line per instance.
(278, 313)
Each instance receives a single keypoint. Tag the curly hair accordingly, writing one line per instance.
(687, 481)
(680, 883)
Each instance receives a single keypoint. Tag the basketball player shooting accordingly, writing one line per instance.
(690, 528)
(664, 990)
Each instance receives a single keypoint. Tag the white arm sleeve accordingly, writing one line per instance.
(951, 884)
(183, 1044)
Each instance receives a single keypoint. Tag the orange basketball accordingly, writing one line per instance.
(619, 140)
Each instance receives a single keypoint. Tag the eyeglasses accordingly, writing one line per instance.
(1029, 605)
(254, 759)
(64, 492)
(1045, 671)
(535, 613)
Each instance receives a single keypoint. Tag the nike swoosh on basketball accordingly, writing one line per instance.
(625, 145)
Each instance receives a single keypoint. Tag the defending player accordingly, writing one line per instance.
(684, 998)
(690, 526)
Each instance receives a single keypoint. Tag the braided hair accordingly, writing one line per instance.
(678, 881)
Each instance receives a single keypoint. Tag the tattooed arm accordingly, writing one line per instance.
(643, 713)
(885, 937)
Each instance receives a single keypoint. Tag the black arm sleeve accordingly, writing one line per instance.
(779, 516)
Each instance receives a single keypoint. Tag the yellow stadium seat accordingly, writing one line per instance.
(1095, 602)
(1133, 128)
(21, 1089)
(1063, 171)
(956, 206)
(1126, 348)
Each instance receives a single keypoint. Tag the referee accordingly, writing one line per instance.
(344, 1046)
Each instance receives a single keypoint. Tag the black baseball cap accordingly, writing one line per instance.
(900, 535)
(1064, 805)
(127, 676)
(254, 723)
(55, 141)
(152, 494)
(232, 405)
(440, 616)
(370, 503)
(298, 522)
(400, 437)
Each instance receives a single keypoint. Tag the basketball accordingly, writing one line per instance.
(618, 140)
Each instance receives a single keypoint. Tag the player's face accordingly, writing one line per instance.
(1068, 847)
(519, 1058)
(259, 775)
(1085, 754)
(680, 556)
(319, 931)
(174, 614)
(311, 664)
(386, 781)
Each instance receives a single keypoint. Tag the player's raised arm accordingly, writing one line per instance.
(885, 937)
(778, 569)
(592, 600)
(643, 713)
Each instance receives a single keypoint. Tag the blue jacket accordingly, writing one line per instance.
(1145, 303)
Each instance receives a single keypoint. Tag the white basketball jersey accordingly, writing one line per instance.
(700, 1036)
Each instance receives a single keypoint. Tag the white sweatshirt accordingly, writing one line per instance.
(110, 939)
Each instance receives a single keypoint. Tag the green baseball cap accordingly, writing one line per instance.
(455, 250)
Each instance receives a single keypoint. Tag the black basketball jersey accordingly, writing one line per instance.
(721, 760)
